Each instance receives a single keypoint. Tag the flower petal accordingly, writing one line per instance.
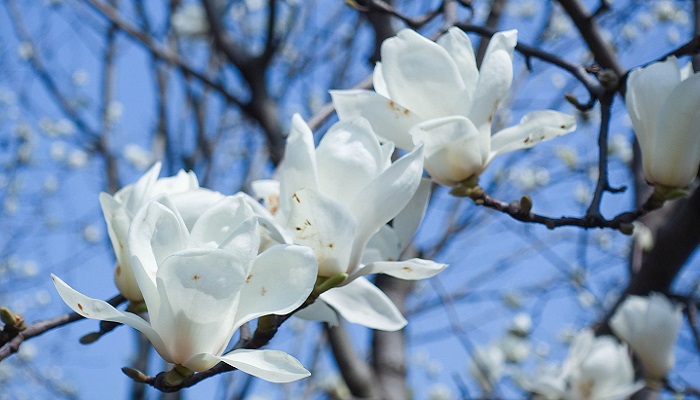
(384, 245)
(361, 302)
(319, 310)
(458, 45)
(199, 290)
(101, 310)
(298, 168)
(409, 219)
(675, 154)
(271, 365)
(413, 269)
(136, 195)
(192, 204)
(496, 76)
(325, 226)
(378, 81)
(281, 279)
(388, 194)
(647, 91)
(214, 228)
(156, 232)
(182, 182)
(420, 75)
(535, 127)
(348, 157)
(453, 151)
(390, 121)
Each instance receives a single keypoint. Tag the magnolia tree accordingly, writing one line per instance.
(264, 221)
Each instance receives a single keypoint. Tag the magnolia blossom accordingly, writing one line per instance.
(120, 209)
(201, 284)
(597, 368)
(662, 101)
(433, 93)
(337, 199)
(487, 366)
(650, 326)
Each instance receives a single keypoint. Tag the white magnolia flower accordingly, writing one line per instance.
(190, 20)
(598, 368)
(487, 366)
(650, 326)
(121, 208)
(662, 102)
(336, 199)
(433, 93)
(201, 284)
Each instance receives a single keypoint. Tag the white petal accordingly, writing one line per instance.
(325, 226)
(101, 310)
(535, 127)
(271, 365)
(384, 245)
(453, 149)
(281, 279)
(675, 153)
(267, 190)
(378, 81)
(496, 76)
(272, 231)
(182, 182)
(388, 194)
(390, 121)
(348, 157)
(215, 226)
(140, 192)
(360, 302)
(319, 311)
(199, 291)
(647, 91)
(413, 269)
(298, 168)
(421, 76)
(409, 219)
(156, 232)
(458, 45)
(192, 204)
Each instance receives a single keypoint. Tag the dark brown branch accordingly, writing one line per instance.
(12, 345)
(355, 371)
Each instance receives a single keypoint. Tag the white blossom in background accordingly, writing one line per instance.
(673, 35)
(433, 93)
(650, 326)
(201, 283)
(120, 209)
(114, 111)
(515, 348)
(568, 155)
(665, 10)
(663, 105)
(582, 194)
(621, 147)
(50, 184)
(25, 50)
(440, 391)
(487, 366)
(643, 236)
(77, 158)
(190, 20)
(91, 233)
(521, 324)
(139, 157)
(80, 77)
(57, 150)
(322, 200)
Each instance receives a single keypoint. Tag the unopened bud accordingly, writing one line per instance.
(626, 228)
(135, 374)
(525, 204)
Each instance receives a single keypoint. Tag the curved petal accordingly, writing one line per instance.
(409, 219)
(214, 228)
(181, 182)
(421, 75)
(325, 226)
(281, 279)
(675, 154)
(101, 310)
(199, 291)
(267, 190)
(663, 320)
(135, 195)
(192, 204)
(388, 194)
(647, 91)
(378, 81)
(534, 127)
(319, 311)
(413, 269)
(453, 149)
(390, 121)
(271, 365)
(496, 76)
(458, 45)
(156, 232)
(360, 302)
(384, 245)
(298, 168)
(348, 157)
